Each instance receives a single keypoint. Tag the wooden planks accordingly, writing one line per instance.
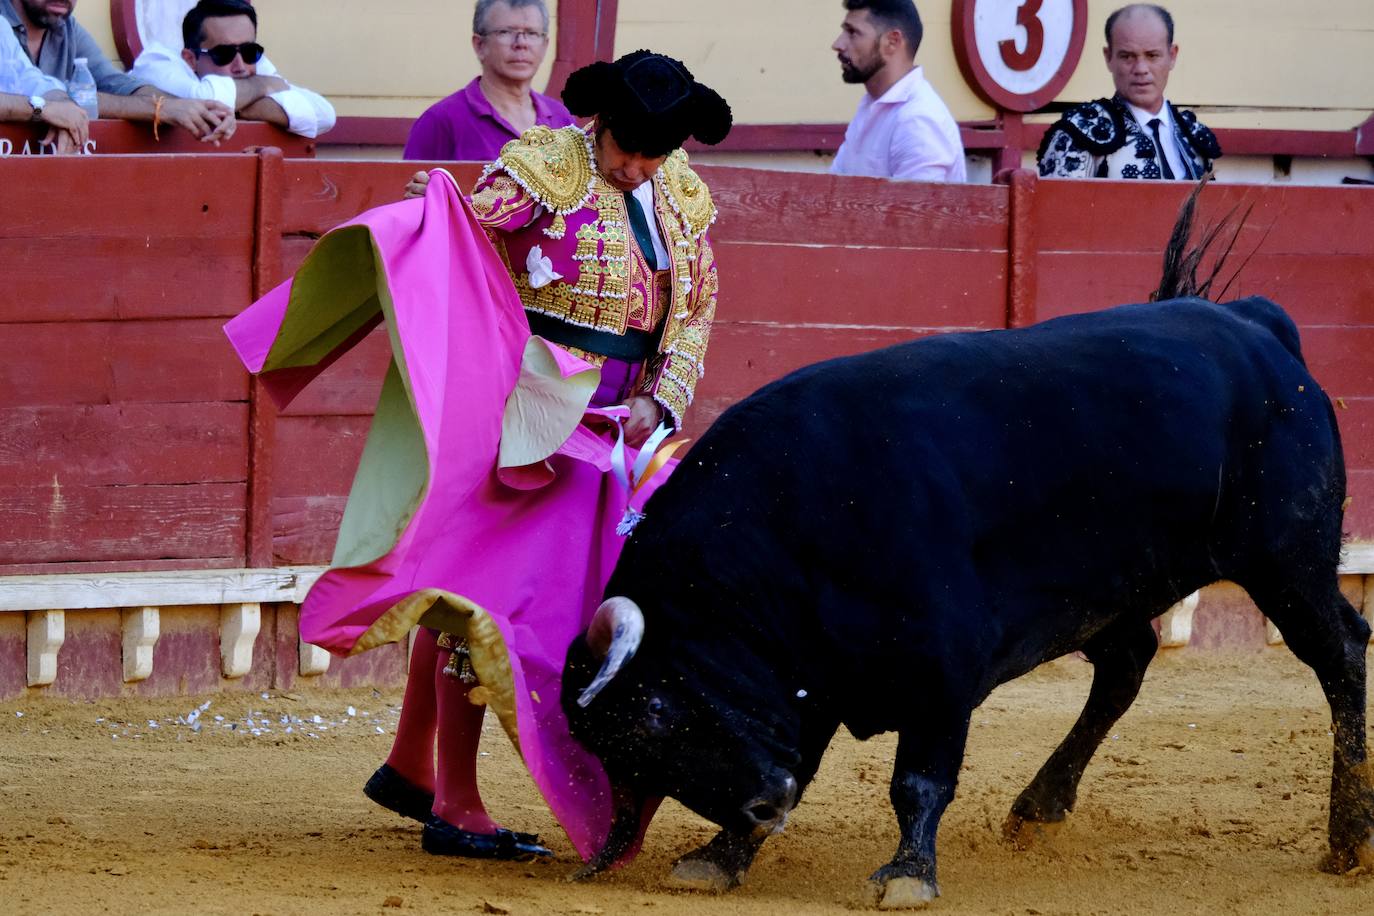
(125, 426)
(321, 194)
(1310, 249)
(66, 523)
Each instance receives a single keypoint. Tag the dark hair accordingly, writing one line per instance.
(193, 26)
(893, 14)
(650, 103)
(1159, 11)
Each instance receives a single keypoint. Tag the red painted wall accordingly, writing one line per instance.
(127, 426)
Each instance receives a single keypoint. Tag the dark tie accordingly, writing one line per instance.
(1159, 148)
(640, 225)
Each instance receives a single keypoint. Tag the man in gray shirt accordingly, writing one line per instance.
(49, 34)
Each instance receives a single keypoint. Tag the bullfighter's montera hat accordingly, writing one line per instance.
(649, 102)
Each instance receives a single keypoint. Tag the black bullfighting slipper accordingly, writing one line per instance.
(440, 838)
(392, 790)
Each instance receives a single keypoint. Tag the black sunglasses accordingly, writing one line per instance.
(223, 55)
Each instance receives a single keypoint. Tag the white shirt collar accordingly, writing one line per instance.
(902, 90)
(1143, 117)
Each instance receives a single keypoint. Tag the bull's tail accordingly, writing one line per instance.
(1181, 262)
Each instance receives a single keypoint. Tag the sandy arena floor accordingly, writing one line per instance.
(1210, 797)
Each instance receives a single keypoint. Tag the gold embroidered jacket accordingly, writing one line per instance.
(545, 191)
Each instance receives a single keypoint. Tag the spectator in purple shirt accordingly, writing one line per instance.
(510, 38)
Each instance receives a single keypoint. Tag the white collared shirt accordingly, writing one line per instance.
(907, 134)
(1167, 136)
(308, 114)
(18, 75)
(645, 195)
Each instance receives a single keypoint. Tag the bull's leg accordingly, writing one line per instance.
(722, 863)
(1332, 638)
(923, 781)
(1120, 655)
(718, 866)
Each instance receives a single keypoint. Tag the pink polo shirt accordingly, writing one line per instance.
(908, 133)
(466, 127)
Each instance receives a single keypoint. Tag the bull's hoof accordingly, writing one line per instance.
(901, 893)
(1361, 857)
(691, 874)
(1023, 833)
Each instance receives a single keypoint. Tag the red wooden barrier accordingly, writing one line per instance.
(127, 137)
(131, 439)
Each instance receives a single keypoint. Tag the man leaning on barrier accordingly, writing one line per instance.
(52, 39)
(26, 94)
(221, 59)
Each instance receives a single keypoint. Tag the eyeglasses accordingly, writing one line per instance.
(508, 36)
(223, 55)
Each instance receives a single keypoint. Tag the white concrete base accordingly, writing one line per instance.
(141, 628)
(1176, 624)
(238, 629)
(313, 659)
(47, 630)
(286, 584)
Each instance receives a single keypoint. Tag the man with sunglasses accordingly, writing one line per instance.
(510, 39)
(221, 59)
(50, 36)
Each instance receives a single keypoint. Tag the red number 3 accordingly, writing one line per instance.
(1027, 18)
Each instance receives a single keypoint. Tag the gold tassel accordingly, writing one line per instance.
(460, 663)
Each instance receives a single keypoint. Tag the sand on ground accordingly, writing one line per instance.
(1210, 796)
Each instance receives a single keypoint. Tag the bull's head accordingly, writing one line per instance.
(680, 715)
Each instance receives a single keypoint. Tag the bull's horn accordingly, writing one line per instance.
(614, 636)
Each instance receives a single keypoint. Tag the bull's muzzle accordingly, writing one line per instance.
(768, 812)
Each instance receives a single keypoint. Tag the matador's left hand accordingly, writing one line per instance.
(645, 415)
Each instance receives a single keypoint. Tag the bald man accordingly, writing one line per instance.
(1137, 133)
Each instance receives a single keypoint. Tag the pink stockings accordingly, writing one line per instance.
(436, 715)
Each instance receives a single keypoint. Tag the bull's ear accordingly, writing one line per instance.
(614, 636)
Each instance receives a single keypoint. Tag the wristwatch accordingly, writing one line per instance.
(38, 103)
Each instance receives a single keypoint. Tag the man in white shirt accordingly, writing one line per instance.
(27, 94)
(1137, 133)
(222, 60)
(902, 128)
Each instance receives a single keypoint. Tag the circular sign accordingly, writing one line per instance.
(1018, 54)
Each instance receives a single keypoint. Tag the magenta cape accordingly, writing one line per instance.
(482, 504)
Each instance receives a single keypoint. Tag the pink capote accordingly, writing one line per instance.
(535, 560)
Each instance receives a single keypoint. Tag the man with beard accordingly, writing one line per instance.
(1137, 133)
(902, 129)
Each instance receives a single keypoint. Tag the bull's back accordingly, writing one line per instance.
(1131, 386)
(1103, 436)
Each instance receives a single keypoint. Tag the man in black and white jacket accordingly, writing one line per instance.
(1137, 133)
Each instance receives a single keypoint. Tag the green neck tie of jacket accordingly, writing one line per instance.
(640, 224)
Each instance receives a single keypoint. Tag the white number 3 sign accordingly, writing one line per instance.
(1018, 54)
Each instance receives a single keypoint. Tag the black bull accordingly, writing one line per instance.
(879, 541)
